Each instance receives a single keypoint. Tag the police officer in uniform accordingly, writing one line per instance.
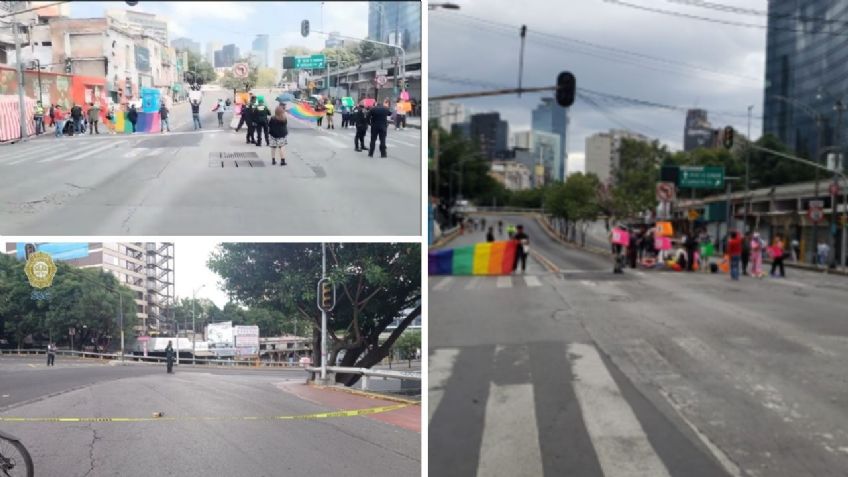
(260, 121)
(247, 115)
(360, 119)
(379, 120)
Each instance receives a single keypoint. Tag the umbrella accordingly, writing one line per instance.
(285, 97)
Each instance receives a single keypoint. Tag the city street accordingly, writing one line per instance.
(214, 422)
(190, 183)
(578, 371)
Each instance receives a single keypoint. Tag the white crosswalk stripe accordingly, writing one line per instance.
(33, 152)
(442, 285)
(510, 442)
(91, 152)
(532, 281)
(504, 282)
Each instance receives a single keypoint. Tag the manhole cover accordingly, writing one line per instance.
(232, 155)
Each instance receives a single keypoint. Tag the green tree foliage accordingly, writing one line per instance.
(460, 164)
(636, 176)
(574, 202)
(266, 77)
(85, 299)
(377, 283)
(408, 345)
(367, 51)
(230, 81)
(345, 57)
(769, 170)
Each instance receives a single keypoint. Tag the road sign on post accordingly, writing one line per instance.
(240, 70)
(666, 192)
(311, 62)
(701, 177)
(815, 211)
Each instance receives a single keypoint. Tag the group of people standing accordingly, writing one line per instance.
(262, 123)
(74, 121)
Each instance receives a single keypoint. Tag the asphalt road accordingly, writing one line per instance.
(174, 184)
(583, 372)
(207, 435)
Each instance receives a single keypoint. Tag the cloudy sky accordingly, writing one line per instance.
(239, 22)
(611, 48)
(191, 273)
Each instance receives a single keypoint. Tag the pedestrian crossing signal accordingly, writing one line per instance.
(326, 295)
(727, 137)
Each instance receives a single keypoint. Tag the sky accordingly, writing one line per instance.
(240, 22)
(477, 48)
(191, 272)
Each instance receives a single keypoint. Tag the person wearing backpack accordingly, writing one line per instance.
(279, 131)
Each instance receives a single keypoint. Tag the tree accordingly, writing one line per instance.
(367, 51)
(408, 345)
(635, 176)
(768, 170)
(198, 64)
(463, 171)
(266, 77)
(84, 299)
(345, 57)
(378, 284)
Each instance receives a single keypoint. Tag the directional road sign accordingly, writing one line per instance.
(701, 177)
(311, 62)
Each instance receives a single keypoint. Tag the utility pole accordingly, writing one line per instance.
(837, 166)
(121, 323)
(21, 102)
(323, 317)
(819, 148)
(521, 58)
(747, 174)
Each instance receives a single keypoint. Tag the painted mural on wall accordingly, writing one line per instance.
(148, 114)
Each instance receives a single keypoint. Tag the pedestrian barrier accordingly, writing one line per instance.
(216, 362)
(366, 373)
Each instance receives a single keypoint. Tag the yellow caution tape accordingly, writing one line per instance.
(319, 415)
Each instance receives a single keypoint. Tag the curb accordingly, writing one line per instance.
(554, 236)
(444, 240)
(367, 394)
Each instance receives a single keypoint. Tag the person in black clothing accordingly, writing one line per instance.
(746, 252)
(632, 252)
(249, 119)
(521, 249)
(169, 357)
(132, 116)
(243, 116)
(76, 116)
(279, 131)
(260, 122)
(360, 120)
(691, 247)
(490, 235)
(379, 120)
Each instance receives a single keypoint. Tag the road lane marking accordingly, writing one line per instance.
(32, 153)
(474, 283)
(442, 285)
(334, 142)
(588, 283)
(619, 440)
(439, 368)
(510, 443)
(317, 415)
(94, 151)
(532, 281)
(504, 282)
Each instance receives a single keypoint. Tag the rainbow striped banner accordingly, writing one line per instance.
(489, 258)
(303, 111)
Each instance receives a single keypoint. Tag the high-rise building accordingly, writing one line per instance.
(522, 140)
(260, 48)
(211, 48)
(698, 132)
(397, 23)
(603, 152)
(186, 44)
(489, 132)
(146, 268)
(547, 150)
(805, 71)
(552, 118)
(447, 114)
(226, 56)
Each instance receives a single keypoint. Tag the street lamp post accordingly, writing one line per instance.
(121, 323)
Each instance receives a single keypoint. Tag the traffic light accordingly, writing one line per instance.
(326, 294)
(727, 137)
(68, 65)
(304, 28)
(566, 85)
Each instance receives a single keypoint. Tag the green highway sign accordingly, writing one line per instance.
(312, 62)
(701, 177)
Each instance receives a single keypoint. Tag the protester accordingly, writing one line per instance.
(490, 235)
(321, 110)
(110, 118)
(796, 250)
(93, 118)
(746, 252)
(360, 120)
(195, 115)
(169, 357)
(247, 115)
(260, 121)
(132, 116)
(219, 108)
(51, 354)
(52, 115)
(757, 249)
(632, 252)
(164, 123)
(330, 110)
(38, 117)
(279, 131)
(379, 121)
(822, 253)
(734, 249)
(345, 117)
(244, 115)
(76, 117)
(522, 249)
(400, 114)
(777, 253)
(59, 120)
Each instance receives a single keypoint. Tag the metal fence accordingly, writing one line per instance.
(214, 362)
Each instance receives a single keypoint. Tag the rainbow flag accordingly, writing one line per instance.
(303, 111)
(489, 258)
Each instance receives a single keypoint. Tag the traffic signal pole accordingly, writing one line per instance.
(323, 316)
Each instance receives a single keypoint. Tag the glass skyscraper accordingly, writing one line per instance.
(550, 117)
(398, 23)
(806, 63)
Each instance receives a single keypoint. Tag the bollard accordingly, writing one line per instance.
(364, 383)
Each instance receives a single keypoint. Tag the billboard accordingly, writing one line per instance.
(220, 335)
(247, 340)
(58, 251)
